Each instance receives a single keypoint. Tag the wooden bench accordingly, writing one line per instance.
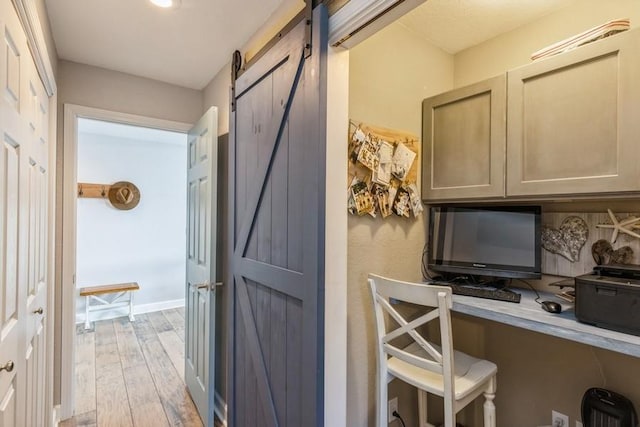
(94, 292)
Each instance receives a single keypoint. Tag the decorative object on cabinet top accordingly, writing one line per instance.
(382, 172)
(596, 33)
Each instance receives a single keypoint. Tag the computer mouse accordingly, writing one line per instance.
(551, 307)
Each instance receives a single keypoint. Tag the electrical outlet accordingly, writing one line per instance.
(559, 420)
(393, 407)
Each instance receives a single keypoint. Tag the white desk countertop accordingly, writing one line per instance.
(530, 315)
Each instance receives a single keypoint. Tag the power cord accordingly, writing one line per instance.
(538, 297)
(397, 415)
(425, 269)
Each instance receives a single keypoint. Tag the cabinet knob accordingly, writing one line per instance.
(38, 311)
(7, 366)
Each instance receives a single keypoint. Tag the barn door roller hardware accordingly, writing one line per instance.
(237, 68)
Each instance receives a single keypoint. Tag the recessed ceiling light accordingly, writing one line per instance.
(166, 3)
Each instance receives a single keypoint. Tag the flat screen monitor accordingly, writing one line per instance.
(495, 241)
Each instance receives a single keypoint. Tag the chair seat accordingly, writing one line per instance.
(470, 373)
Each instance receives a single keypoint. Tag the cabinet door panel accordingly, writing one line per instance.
(464, 142)
(571, 126)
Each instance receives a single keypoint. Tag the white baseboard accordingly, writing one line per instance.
(137, 309)
(220, 409)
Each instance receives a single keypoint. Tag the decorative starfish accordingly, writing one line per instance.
(621, 226)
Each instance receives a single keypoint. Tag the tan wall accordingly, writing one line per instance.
(112, 90)
(217, 93)
(513, 49)
(390, 74)
(286, 12)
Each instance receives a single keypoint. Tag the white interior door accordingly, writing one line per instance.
(24, 186)
(36, 283)
(201, 263)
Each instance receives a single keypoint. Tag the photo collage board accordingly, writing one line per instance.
(383, 170)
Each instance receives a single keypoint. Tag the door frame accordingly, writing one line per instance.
(68, 292)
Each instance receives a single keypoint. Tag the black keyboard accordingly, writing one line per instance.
(481, 292)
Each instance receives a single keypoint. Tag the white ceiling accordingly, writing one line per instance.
(122, 131)
(185, 46)
(455, 25)
(189, 45)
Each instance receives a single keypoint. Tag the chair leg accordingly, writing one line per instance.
(489, 407)
(422, 408)
(381, 395)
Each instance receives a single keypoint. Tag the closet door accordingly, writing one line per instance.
(13, 218)
(24, 148)
(37, 115)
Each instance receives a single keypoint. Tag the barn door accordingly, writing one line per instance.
(277, 167)
(202, 186)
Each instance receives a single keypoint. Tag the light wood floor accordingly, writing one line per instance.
(132, 374)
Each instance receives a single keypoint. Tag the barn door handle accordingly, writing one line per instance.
(38, 311)
(7, 366)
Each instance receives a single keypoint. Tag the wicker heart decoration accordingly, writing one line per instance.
(568, 239)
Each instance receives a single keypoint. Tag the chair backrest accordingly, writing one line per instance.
(437, 297)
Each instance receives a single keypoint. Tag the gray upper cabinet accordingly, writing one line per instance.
(574, 121)
(464, 142)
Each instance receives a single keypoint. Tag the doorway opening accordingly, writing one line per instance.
(131, 370)
(118, 370)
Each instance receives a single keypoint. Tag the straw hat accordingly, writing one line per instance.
(124, 195)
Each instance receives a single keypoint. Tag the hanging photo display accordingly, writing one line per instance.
(383, 167)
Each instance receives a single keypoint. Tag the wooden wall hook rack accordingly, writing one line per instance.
(93, 191)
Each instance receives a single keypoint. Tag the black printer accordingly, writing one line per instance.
(609, 297)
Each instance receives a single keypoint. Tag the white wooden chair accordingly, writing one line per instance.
(455, 376)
